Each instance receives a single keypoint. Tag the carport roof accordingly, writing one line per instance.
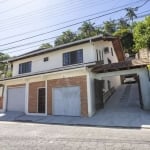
(123, 65)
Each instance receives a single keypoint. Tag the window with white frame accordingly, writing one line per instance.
(25, 67)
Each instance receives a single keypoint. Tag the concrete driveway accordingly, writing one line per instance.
(122, 110)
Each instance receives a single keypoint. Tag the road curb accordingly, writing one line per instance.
(77, 124)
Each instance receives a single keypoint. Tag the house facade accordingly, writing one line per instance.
(59, 81)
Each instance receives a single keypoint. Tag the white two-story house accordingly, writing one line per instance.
(59, 81)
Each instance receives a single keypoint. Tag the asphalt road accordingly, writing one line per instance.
(28, 136)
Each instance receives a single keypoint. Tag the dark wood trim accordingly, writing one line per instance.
(124, 65)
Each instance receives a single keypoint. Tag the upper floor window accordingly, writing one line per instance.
(45, 59)
(74, 57)
(112, 51)
(106, 50)
(25, 67)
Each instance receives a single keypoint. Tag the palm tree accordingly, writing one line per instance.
(123, 24)
(87, 30)
(66, 37)
(45, 45)
(110, 27)
(131, 14)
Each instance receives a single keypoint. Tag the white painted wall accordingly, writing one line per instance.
(91, 94)
(49, 76)
(56, 57)
(99, 45)
(115, 82)
(145, 88)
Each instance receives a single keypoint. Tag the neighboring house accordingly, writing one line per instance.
(59, 81)
(144, 54)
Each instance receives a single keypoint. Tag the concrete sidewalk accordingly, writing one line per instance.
(122, 110)
(114, 119)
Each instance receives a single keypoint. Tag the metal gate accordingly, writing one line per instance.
(98, 85)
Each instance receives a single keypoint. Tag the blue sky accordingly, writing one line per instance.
(22, 19)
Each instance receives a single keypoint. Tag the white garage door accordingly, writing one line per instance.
(16, 99)
(66, 101)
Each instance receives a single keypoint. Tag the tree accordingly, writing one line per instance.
(45, 45)
(122, 24)
(4, 56)
(126, 37)
(131, 15)
(110, 27)
(3, 66)
(88, 29)
(142, 34)
(66, 37)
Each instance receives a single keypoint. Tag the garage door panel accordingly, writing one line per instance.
(16, 99)
(66, 101)
(58, 103)
(74, 101)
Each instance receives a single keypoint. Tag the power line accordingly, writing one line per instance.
(31, 19)
(21, 5)
(8, 49)
(59, 23)
(30, 43)
(143, 12)
(57, 29)
(41, 10)
(96, 26)
(44, 33)
(143, 4)
(65, 14)
(51, 31)
(145, 15)
(35, 46)
(48, 38)
(126, 18)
